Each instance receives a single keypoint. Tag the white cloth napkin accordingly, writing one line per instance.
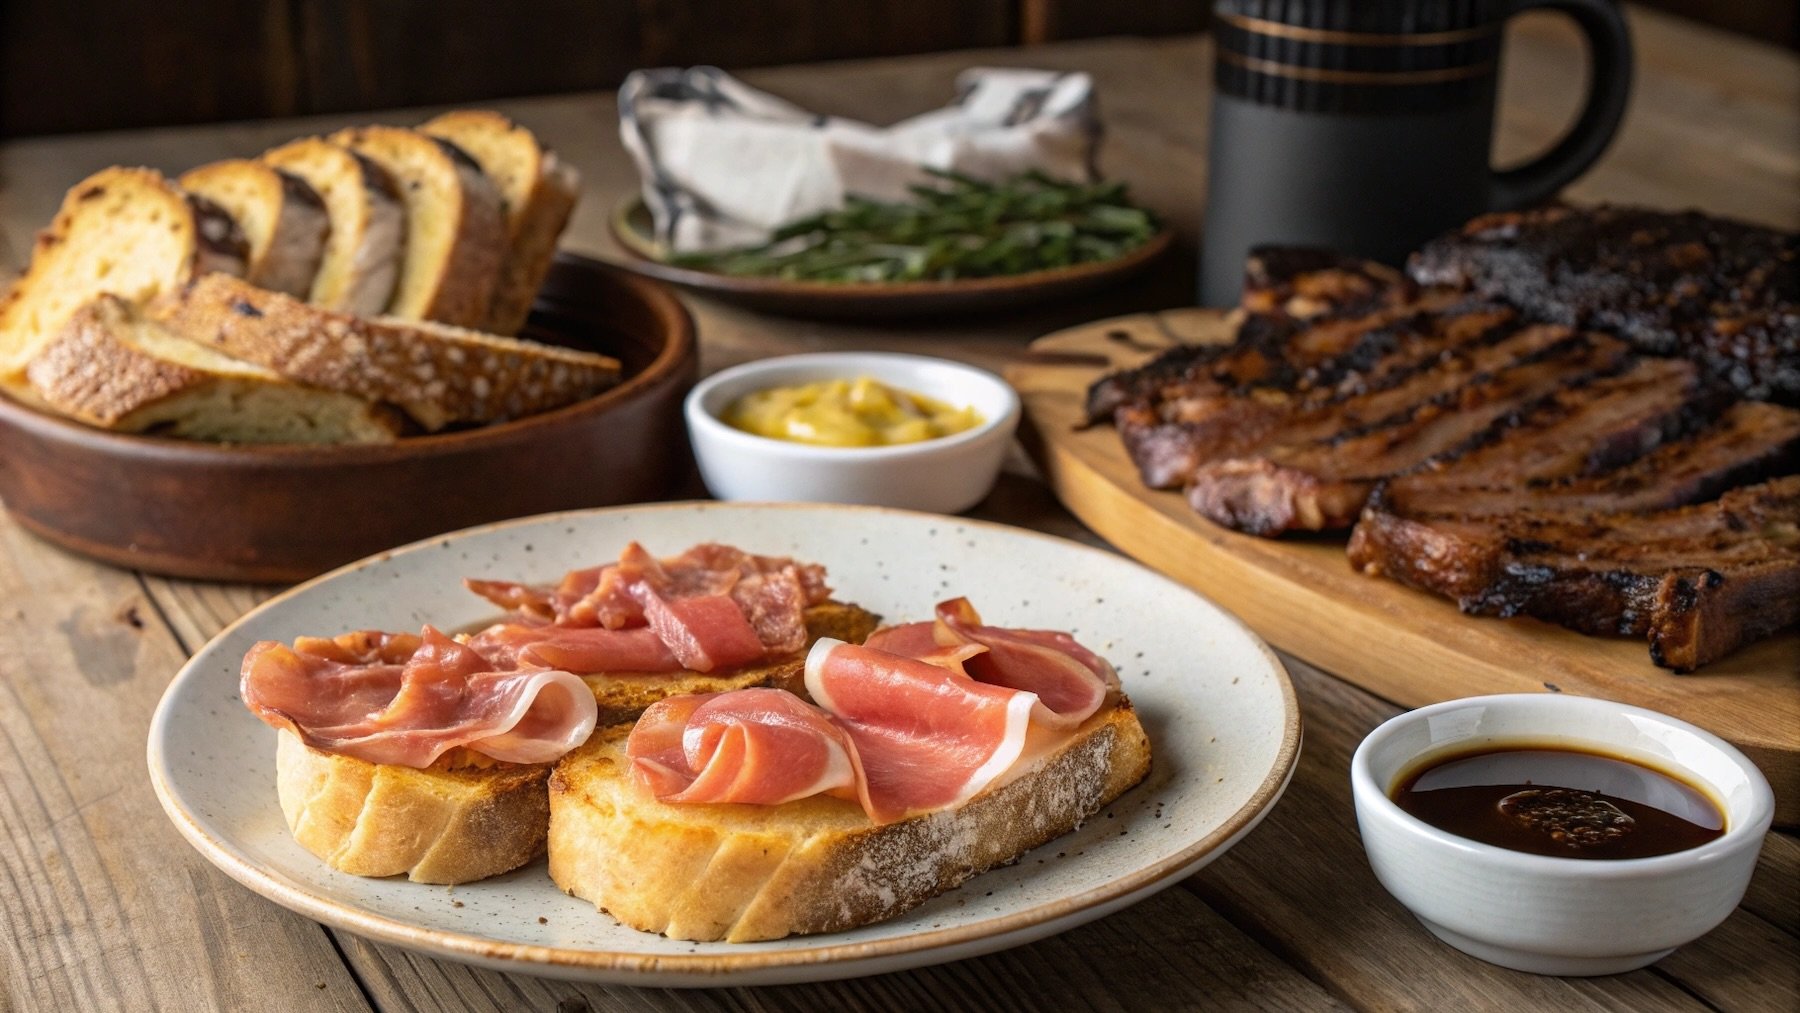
(724, 164)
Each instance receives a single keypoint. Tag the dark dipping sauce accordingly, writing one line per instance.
(1560, 802)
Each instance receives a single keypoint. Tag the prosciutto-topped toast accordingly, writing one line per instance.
(403, 754)
(756, 814)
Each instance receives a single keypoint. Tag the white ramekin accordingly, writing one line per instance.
(1563, 916)
(944, 475)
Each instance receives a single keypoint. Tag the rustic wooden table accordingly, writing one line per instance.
(104, 906)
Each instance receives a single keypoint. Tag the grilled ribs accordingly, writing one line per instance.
(1724, 293)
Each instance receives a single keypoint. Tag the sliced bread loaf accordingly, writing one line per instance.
(112, 368)
(436, 373)
(539, 192)
(283, 219)
(129, 232)
(455, 229)
(361, 261)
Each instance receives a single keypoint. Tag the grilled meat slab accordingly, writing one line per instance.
(1184, 410)
(1697, 581)
(1301, 479)
(1721, 292)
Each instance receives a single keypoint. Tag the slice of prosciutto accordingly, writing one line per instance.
(713, 606)
(406, 700)
(927, 736)
(583, 651)
(762, 746)
(1070, 681)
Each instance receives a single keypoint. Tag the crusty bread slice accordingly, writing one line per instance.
(436, 373)
(539, 193)
(455, 228)
(129, 232)
(742, 873)
(624, 697)
(461, 819)
(361, 261)
(283, 219)
(112, 368)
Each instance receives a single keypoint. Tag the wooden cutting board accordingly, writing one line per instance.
(1302, 596)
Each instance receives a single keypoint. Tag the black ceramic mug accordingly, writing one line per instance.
(1366, 126)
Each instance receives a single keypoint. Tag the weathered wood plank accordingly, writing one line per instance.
(1745, 964)
(1171, 949)
(1301, 884)
(102, 905)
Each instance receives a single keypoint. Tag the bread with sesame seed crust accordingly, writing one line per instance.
(438, 374)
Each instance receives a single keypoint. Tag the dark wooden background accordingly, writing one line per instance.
(76, 65)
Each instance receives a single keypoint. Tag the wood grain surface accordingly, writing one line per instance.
(103, 907)
(1303, 595)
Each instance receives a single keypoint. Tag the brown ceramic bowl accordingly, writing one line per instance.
(283, 513)
(631, 229)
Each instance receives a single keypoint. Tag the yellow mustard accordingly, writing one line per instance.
(863, 412)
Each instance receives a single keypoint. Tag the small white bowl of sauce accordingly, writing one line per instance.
(878, 428)
(1556, 834)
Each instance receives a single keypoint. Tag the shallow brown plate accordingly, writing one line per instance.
(283, 513)
(631, 227)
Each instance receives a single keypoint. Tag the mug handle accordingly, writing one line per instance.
(1609, 49)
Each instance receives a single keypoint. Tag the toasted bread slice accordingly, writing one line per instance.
(461, 819)
(539, 193)
(129, 232)
(455, 228)
(360, 263)
(283, 219)
(623, 697)
(436, 373)
(112, 368)
(743, 873)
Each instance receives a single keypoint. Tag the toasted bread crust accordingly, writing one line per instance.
(128, 232)
(539, 192)
(455, 229)
(111, 368)
(743, 873)
(438, 374)
(437, 825)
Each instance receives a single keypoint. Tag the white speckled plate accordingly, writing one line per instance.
(1223, 725)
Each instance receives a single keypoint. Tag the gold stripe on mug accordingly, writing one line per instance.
(1390, 77)
(1260, 26)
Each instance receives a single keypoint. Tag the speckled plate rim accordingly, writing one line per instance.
(646, 257)
(822, 962)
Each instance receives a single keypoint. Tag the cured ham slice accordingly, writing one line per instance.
(1070, 681)
(685, 599)
(764, 746)
(927, 736)
(583, 651)
(400, 699)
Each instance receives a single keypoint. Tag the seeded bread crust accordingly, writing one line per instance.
(442, 824)
(128, 232)
(360, 263)
(744, 873)
(436, 373)
(539, 192)
(283, 219)
(112, 369)
(455, 228)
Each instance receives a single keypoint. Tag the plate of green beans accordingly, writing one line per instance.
(955, 244)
